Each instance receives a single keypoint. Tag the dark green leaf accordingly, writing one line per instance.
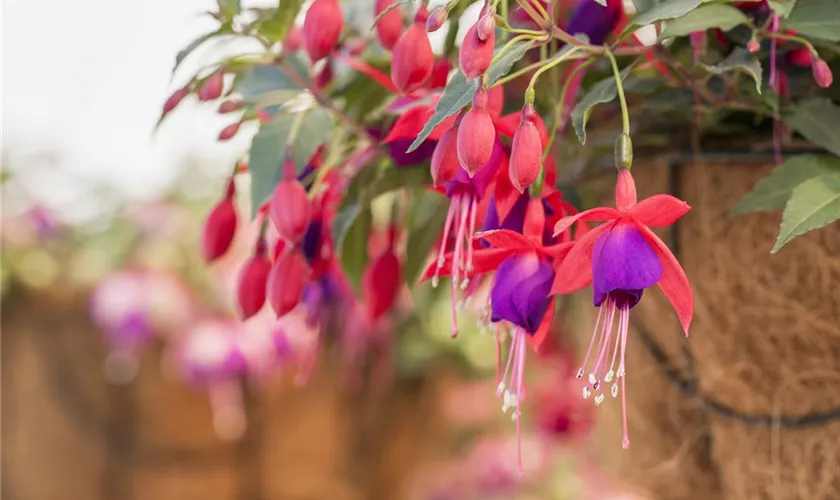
(782, 7)
(669, 9)
(817, 119)
(703, 18)
(813, 204)
(275, 23)
(773, 191)
(459, 92)
(816, 18)
(739, 60)
(428, 211)
(351, 228)
(643, 6)
(186, 51)
(268, 150)
(601, 92)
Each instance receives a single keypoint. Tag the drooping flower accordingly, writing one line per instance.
(476, 50)
(476, 134)
(390, 26)
(413, 58)
(322, 28)
(220, 227)
(621, 258)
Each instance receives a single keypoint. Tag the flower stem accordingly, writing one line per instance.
(790, 38)
(512, 41)
(529, 93)
(625, 115)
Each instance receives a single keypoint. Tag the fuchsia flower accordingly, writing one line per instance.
(621, 258)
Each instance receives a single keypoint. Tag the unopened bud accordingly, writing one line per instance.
(753, 46)
(822, 73)
(228, 132)
(437, 18)
(486, 27)
(229, 107)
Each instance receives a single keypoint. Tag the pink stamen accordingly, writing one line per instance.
(447, 226)
(511, 354)
(606, 336)
(625, 440)
(591, 342)
(457, 261)
(473, 216)
(498, 354)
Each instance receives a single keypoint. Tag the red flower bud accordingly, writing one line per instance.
(286, 280)
(486, 27)
(445, 162)
(228, 132)
(753, 46)
(290, 210)
(526, 152)
(175, 99)
(322, 28)
(476, 135)
(475, 54)
(252, 282)
(495, 100)
(229, 106)
(822, 73)
(390, 26)
(292, 42)
(381, 284)
(220, 227)
(437, 18)
(412, 60)
(212, 86)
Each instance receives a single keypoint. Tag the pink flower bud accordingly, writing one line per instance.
(229, 106)
(220, 227)
(822, 73)
(381, 284)
(753, 46)
(175, 99)
(212, 86)
(445, 162)
(252, 282)
(486, 27)
(390, 26)
(526, 152)
(292, 42)
(436, 19)
(228, 132)
(290, 210)
(476, 135)
(322, 28)
(475, 54)
(286, 280)
(495, 100)
(412, 60)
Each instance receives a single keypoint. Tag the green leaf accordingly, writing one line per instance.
(739, 60)
(459, 92)
(816, 18)
(186, 51)
(703, 18)
(813, 204)
(669, 9)
(643, 6)
(817, 119)
(602, 92)
(273, 24)
(260, 79)
(773, 191)
(268, 150)
(428, 213)
(782, 8)
(229, 8)
(351, 228)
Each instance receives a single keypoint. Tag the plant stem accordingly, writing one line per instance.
(512, 41)
(625, 115)
(790, 38)
(550, 64)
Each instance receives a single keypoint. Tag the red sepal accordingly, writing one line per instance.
(575, 271)
(659, 210)
(674, 283)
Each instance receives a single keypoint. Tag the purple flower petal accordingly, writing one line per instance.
(514, 220)
(477, 185)
(623, 265)
(520, 292)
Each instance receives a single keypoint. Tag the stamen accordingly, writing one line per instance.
(606, 335)
(591, 342)
(511, 354)
(457, 263)
(447, 226)
(473, 215)
(498, 354)
(625, 441)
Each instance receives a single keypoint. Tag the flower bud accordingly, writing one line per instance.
(445, 162)
(292, 42)
(252, 282)
(381, 284)
(390, 26)
(212, 86)
(220, 227)
(486, 27)
(322, 28)
(822, 73)
(228, 132)
(286, 281)
(290, 210)
(526, 152)
(229, 106)
(175, 99)
(753, 46)
(495, 100)
(475, 54)
(476, 135)
(413, 59)
(437, 18)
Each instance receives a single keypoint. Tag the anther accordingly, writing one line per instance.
(580, 373)
(615, 390)
(586, 393)
(599, 399)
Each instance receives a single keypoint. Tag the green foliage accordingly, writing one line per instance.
(817, 119)
(782, 7)
(426, 216)
(268, 149)
(351, 228)
(773, 191)
(273, 24)
(602, 92)
(816, 18)
(721, 16)
(669, 9)
(459, 92)
(266, 85)
(813, 204)
(739, 60)
(224, 29)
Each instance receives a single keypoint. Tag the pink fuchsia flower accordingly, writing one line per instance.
(621, 258)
